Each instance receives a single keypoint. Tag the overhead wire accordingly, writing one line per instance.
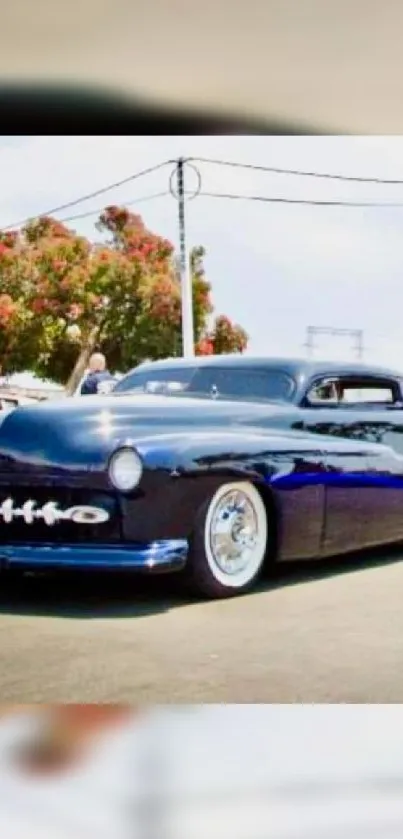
(299, 172)
(89, 195)
(130, 203)
(310, 201)
(223, 195)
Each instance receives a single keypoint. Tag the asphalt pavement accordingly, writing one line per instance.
(328, 632)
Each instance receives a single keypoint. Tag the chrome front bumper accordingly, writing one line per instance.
(155, 557)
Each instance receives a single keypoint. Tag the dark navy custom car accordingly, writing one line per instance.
(234, 463)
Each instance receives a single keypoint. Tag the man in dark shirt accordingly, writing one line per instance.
(99, 379)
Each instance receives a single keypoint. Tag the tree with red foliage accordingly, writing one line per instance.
(61, 297)
(227, 337)
(15, 315)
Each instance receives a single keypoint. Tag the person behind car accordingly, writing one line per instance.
(99, 379)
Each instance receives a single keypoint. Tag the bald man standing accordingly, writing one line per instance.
(99, 379)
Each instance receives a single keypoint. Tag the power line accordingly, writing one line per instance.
(123, 204)
(299, 172)
(94, 194)
(278, 200)
(227, 163)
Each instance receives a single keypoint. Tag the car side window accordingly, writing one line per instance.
(353, 391)
(323, 392)
(357, 395)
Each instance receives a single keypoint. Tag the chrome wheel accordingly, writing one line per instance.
(236, 534)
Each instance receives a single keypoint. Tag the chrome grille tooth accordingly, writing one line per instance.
(50, 513)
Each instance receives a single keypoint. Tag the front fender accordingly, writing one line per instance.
(181, 472)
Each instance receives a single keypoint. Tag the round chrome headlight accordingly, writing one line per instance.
(125, 469)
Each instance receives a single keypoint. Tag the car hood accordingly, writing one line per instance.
(81, 434)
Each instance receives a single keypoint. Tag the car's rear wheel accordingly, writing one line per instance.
(229, 543)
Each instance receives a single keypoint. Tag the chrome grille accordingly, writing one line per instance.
(28, 515)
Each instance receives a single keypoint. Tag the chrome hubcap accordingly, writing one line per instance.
(233, 532)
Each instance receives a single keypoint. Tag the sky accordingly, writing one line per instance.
(275, 269)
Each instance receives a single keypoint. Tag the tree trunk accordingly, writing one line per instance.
(82, 361)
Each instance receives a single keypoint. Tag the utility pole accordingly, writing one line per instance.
(186, 282)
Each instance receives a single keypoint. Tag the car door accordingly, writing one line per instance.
(364, 495)
(364, 492)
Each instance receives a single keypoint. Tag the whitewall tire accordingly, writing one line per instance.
(229, 544)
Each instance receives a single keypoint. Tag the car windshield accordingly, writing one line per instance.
(237, 383)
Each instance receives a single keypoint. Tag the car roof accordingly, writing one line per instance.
(298, 368)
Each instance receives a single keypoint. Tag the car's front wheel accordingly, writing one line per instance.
(229, 543)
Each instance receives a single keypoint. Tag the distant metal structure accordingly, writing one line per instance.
(356, 335)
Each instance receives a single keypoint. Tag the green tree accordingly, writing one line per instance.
(62, 296)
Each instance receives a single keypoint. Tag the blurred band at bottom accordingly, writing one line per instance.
(222, 772)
